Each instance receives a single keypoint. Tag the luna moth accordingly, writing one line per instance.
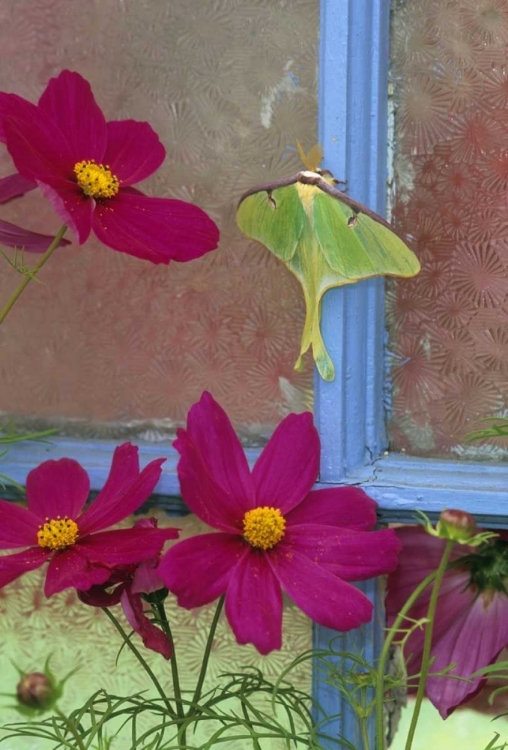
(325, 238)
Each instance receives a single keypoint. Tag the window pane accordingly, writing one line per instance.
(448, 348)
(107, 342)
(466, 727)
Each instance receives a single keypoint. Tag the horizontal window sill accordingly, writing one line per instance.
(400, 484)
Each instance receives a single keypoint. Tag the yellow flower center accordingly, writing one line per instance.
(96, 180)
(264, 527)
(57, 533)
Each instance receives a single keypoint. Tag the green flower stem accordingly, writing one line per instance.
(427, 644)
(365, 734)
(144, 664)
(206, 655)
(32, 274)
(163, 619)
(71, 726)
(391, 634)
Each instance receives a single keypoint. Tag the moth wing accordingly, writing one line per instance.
(388, 251)
(357, 246)
(275, 218)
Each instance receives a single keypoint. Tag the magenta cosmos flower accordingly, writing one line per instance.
(274, 534)
(471, 626)
(125, 586)
(87, 168)
(58, 529)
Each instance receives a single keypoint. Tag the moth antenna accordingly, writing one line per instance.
(313, 159)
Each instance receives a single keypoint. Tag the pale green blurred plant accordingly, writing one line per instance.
(495, 427)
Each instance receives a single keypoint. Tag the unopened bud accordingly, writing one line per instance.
(456, 525)
(35, 690)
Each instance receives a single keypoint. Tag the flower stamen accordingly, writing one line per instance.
(263, 527)
(57, 533)
(96, 180)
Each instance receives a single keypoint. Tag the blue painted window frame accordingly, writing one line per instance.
(353, 101)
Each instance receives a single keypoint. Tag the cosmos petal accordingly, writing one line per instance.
(470, 627)
(124, 470)
(197, 570)
(125, 490)
(254, 603)
(99, 596)
(209, 428)
(69, 568)
(352, 555)
(473, 640)
(69, 102)
(201, 493)
(152, 637)
(13, 186)
(12, 105)
(57, 488)
(134, 151)
(22, 239)
(35, 151)
(124, 546)
(342, 608)
(154, 229)
(349, 507)
(16, 565)
(420, 556)
(18, 526)
(73, 207)
(288, 467)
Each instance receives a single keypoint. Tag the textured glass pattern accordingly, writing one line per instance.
(33, 627)
(448, 346)
(109, 343)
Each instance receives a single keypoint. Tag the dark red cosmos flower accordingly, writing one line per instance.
(86, 167)
(125, 586)
(58, 529)
(274, 533)
(471, 624)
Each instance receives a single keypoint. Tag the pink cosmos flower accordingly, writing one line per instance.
(86, 167)
(11, 235)
(58, 529)
(471, 626)
(125, 586)
(274, 533)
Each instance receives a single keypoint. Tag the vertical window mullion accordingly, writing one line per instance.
(353, 103)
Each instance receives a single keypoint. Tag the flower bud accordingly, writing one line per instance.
(35, 690)
(456, 525)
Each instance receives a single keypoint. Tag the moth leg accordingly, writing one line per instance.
(341, 182)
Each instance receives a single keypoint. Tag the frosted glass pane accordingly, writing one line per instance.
(109, 343)
(448, 347)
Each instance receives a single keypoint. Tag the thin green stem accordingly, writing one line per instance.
(71, 726)
(427, 644)
(142, 661)
(206, 655)
(166, 627)
(32, 274)
(385, 651)
(365, 733)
